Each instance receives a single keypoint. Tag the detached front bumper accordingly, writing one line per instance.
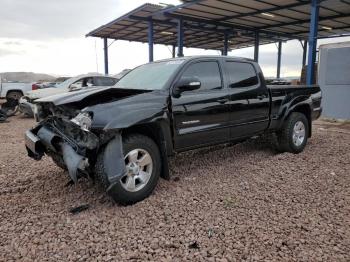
(43, 140)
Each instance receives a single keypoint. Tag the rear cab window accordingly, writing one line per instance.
(241, 74)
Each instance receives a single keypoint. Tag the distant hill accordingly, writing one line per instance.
(25, 77)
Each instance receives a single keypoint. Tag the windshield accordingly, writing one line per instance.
(151, 76)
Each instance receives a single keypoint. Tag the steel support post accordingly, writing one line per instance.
(150, 41)
(105, 51)
(256, 46)
(225, 51)
(180, 38)
(315, 8)
(279, 56)
(304, 52)
(174, 51)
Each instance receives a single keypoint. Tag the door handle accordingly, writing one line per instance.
(223, 100)
(261, 97)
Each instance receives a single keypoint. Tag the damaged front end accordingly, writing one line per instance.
(64, 134)
(83, 133)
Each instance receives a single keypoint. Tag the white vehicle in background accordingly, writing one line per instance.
(15, 90)
(72, 84)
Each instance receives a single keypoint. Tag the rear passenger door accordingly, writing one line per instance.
(201, 116)
(249, 99)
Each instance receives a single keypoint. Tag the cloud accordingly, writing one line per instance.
(57, 19)
(8, 52)
(49, 19)
(13, 43)
(48, 36)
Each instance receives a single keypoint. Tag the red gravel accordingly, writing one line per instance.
(234, 203)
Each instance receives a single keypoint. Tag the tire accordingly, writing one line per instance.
(10, 106)
(3, 116)
(58, 160)
(143, 145)
(16, 95)
(294, 134)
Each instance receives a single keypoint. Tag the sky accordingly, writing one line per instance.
(48, 36)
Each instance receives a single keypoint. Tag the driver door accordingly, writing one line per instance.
(201, 117)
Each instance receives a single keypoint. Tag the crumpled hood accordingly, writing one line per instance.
(71, 97)
(40, 93)
(129, 110)
(114, 107)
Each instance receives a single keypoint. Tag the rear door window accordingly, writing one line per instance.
(88, 82)
(208, 73)
(241, 74)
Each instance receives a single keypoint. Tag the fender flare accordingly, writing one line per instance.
(292, 105)
(151, 116)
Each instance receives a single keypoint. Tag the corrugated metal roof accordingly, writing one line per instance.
(206, 21)
(276, 16)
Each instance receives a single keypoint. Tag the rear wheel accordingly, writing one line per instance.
(294, 134)
(143, 165)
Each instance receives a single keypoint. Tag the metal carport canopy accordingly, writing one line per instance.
(231, 24)
(277, 17)
(134, 27)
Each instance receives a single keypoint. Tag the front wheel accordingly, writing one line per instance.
(14, 95)
(294, 134)
(143, 165)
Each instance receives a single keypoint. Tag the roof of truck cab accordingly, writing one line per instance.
(187, 58)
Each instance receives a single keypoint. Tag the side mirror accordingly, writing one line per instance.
(74, 87)
(186, 84)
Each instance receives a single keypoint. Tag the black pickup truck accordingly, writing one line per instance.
(123, 135)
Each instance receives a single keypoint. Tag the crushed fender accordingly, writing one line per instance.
(114, 164)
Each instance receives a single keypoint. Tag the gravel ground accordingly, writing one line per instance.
(232, 203)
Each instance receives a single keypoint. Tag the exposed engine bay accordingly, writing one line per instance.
(63, 136)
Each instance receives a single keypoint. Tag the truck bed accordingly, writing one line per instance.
(291, 91)
(285, 96)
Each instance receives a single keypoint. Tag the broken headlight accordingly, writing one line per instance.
(83, 120)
